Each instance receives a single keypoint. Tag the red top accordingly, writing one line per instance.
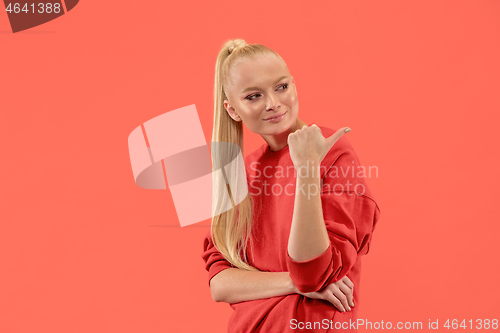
(350, 213)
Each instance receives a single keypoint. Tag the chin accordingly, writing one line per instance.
(285, 126)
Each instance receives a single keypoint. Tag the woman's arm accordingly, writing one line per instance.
(234, 285)
(310, 251)
(308, 235)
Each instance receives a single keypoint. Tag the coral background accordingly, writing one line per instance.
(84, 249)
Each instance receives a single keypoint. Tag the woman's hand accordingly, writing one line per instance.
(339, 293)
(309, 144)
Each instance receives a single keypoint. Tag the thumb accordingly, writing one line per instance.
(336, 136)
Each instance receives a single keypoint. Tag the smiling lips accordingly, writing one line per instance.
(276, 118)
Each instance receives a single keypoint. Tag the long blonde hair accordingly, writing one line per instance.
(231, 230)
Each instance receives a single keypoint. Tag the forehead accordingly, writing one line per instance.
(261, 70)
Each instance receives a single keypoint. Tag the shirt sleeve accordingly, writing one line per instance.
(214, 260)
(350, 214)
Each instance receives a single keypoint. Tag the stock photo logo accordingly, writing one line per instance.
(28, 14)
(170, 150)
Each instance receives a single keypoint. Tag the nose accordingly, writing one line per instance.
(272, 103)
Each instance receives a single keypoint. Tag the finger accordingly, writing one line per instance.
(339, 294)
(348, 292)
(335, 301)
(348, 282)
(336, 136)
(342, 298)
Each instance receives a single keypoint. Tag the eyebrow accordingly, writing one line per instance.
(256, 88)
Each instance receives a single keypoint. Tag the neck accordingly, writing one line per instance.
(280, 141)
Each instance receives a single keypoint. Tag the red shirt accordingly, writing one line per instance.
(350, 214)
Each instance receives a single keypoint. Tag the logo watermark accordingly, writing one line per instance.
(337, 179)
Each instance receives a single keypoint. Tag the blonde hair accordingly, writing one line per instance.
(231, 230)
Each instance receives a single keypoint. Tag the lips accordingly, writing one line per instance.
(276, 116)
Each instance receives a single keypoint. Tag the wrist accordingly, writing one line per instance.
(308, 169)
(291, 286)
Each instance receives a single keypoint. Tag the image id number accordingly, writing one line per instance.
(38, 8)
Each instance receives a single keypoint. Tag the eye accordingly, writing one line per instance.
(249, 97)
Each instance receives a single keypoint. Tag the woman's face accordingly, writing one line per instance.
(260, 89)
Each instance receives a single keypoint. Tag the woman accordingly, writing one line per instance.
(287, 257)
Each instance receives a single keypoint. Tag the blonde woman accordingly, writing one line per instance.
(287, 257)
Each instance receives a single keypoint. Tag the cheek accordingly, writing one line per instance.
(250, 116)
(291, 97)
(293, 101)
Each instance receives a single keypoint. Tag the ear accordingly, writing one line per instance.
(294, 86)
(231, 111)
